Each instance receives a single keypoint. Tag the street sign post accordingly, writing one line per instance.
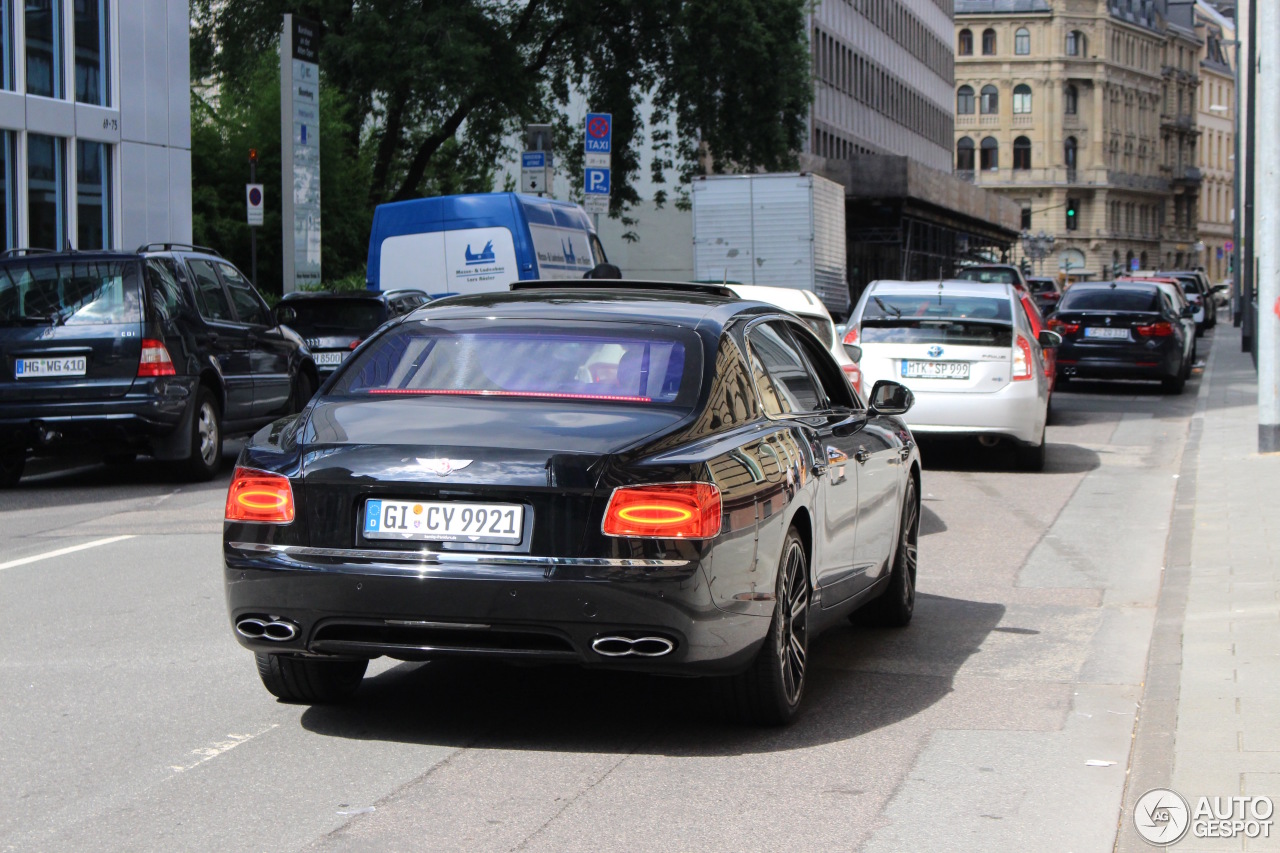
(1133, 264)
(300, 151)
(535, 172)
(253, 202)
(597, 147)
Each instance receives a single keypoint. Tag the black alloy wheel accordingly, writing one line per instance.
(310, 681)
(11, 465)
(206, 437)
(769, 692)
(894, 608)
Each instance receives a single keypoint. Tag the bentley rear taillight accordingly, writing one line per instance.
(260, 497)
(666, 511)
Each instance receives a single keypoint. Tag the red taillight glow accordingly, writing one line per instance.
(1155, 330)
(1022, 362)
(1066, 328)
(155, 359)
(356, 343)
(259, 497)
(851, 336)
(667, 511)
(854, 375)
(535, 395)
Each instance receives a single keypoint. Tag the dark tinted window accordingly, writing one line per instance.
(732, 400)
(989, 275)
(319, 317)
(1110, 299)
(34, 291)
(780, 373)
(832, 379)
(211, 299)
(166, 293)
(1041, 286)
(249, 307)
(494, 359)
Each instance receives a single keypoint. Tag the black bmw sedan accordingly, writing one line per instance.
(642, 476)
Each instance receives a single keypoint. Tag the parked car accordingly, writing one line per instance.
(968, 352)
(1046, 292)
(1123, 330)
(163, 351)
(1196, 287)
(1173, 288)
(547, 475)
(806, 305)
(333, 324)
(993, 274)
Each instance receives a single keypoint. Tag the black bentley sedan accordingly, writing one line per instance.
(641, 476)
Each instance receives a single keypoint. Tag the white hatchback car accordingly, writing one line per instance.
(967, 352)
(806, 305)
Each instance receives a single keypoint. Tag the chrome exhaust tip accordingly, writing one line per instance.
(280, 631)
(256, 628)
(644, 647)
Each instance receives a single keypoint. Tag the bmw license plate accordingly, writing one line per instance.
(935, 369)
(329, 359)
(1106, 334)
(443, 521)
(36, 368)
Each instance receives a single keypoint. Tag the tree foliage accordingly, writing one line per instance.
(427, 93)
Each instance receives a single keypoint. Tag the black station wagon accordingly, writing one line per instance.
(641, 476)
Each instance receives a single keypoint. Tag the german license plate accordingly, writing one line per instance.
(935, 369)
(1106, 334)
(443, 521)
(35, 368)
(329, 359)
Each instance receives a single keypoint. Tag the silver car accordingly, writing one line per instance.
(967, 352)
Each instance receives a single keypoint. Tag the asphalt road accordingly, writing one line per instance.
(131, 720)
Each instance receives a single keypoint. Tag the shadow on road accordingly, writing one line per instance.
(969, 455)
(861, 680)
(930, 521)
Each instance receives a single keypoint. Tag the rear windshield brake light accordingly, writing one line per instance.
(535, 395)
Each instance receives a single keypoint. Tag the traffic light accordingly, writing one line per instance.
(1073, 221)
(1025, 266)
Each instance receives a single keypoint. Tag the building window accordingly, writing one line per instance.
(990, 154)
(7, 189)
(1022, 99)
(1026, 218)
(6, 45)
(1072, 100)
(91, 52)
(1022, 42)
(1069, 152)
(93, 195)
(45, 191)
(1021, 153)
(990, 100)
(964, 101)
(44, 47)
(965, 47)
(988, 42)
(964, 155)
(1075, 43)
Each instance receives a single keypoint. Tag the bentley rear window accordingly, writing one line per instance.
(492, 359)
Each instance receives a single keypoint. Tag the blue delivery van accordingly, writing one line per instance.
(478, 242)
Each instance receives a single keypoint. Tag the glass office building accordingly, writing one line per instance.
(95, 123)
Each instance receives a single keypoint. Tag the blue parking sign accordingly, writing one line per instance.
(597, 182)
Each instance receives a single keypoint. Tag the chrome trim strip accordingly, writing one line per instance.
(437, 558)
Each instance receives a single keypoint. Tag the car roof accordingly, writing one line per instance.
(1130, 284)
(793, 299)
(17, 254)
(952, 286)
(297, 295)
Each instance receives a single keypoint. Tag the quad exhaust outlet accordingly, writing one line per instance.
(643, 647)
(256, 628)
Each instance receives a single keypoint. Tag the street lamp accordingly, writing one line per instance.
(1037, 247)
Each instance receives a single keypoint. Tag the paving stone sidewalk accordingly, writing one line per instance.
(1227, 736)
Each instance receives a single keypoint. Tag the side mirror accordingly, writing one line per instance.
(854, 351)
(286, 315)
(891, 398)
(1049, 340)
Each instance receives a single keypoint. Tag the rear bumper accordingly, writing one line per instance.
(56, 426)
(368, 604)
(1107, 363)
(1016, 411)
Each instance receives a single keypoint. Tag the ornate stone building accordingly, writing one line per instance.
(1216, 119)
(1083, 113)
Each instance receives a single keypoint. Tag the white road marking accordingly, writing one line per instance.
(208, 753)
(61, 551)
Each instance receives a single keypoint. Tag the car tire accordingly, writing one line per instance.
(303, 389)
(1031, 457)
(1173, 384)
(309, 681)
(895, 606)
(769, 692)
(11, 466)
(206, 438)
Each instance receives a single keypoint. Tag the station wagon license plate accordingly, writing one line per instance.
(443, 521)
(36, 368)
(329, 359)
(1106, 334)
(935, 369)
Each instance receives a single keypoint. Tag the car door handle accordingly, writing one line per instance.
(862, 455)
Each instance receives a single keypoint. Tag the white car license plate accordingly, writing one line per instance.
(936, 369)
(329, 359)
(443, 521)
(1106, 334)
(34, 368)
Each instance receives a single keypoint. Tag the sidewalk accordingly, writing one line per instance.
(1226, 692)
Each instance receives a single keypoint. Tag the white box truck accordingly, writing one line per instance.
(781, 230)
